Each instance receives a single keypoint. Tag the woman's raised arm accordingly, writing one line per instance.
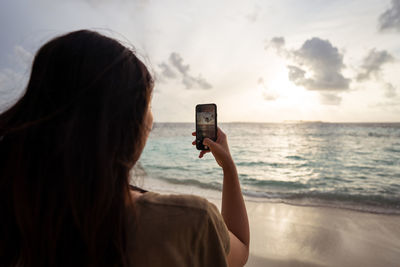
(233, 206)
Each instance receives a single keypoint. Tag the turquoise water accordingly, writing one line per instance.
(342, 165)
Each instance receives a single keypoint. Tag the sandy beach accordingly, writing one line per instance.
(287, 235)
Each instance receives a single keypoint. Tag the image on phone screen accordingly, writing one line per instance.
(206, 124)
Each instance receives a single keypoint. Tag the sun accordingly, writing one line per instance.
(283, 92)
(274, 99)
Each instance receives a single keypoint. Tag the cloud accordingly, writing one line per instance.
(269, 97)
(191, 82)
(372, 68)
(254, 15)
(296, 74)
(390, 91)
(267, 94)
(372, 64)
(12, 82)
(167, 71)
(390, 105)
(177, 61)
(318, 66)
(276, 43)
(175, 68)
(390, 19)
(11, 87)
(392, 99)
(24, 57)
(330, 99)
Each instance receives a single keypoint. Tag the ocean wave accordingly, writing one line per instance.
(392, 149)
(372, 134)
(358, 202)
(193, 182)
(273, 183)
(380, 135)
(261, 163)
(362, 203)
(163, 167)
(251, 163)
(361, 167)
(295, 157)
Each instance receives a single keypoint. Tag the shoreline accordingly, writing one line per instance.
(329, 205)
(167, 187)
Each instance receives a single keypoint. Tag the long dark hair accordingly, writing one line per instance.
(66, 150)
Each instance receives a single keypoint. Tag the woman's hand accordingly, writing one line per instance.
(219, 149)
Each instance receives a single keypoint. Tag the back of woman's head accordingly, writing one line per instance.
(65, 153)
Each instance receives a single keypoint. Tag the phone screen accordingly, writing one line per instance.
(206, 124)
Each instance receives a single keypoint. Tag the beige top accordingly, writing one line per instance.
(178, 230)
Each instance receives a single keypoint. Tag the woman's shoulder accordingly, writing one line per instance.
(184, 210)
(177, 201)
(143, 197)
(195, 210)
(190, 210)
(171, 213)
(192, 227)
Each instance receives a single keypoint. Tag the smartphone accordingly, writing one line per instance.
(206, 124)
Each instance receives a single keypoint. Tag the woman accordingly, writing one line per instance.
(66, 150)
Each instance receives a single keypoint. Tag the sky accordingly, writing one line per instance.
(259, 61)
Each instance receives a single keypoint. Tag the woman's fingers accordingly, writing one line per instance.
(209, 143)
(203, 152)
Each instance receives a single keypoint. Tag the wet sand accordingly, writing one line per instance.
(286, 235)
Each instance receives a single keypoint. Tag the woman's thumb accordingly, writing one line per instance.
(208, 142)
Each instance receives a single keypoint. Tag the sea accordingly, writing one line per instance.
(341, 165)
